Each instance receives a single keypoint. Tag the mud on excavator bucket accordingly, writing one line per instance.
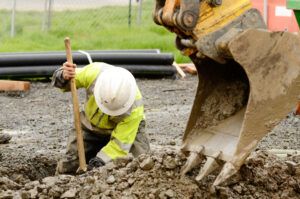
(249, 79)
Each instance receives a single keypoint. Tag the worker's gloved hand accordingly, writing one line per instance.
(68, 70)
(95, 162)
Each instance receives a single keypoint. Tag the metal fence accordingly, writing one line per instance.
(40, 14)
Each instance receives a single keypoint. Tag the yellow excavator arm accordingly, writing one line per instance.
(249, 79)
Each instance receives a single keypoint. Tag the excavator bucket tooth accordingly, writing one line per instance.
(228, 170)
(194, 159)
(210, 165)
(249, 80)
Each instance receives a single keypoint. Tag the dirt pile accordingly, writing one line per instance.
(158, 176)
(265, 176)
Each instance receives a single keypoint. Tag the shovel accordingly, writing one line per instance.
(82, 162)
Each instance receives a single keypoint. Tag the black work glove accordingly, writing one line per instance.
(95, 162)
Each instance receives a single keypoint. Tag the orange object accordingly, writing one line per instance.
(279, 18)
(298, 109)
(188, 68)
(9, 85)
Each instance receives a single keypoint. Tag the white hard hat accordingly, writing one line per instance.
(115, 91)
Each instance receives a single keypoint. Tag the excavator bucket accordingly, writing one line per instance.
(249, 79)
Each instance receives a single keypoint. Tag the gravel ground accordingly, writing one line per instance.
(41, 121)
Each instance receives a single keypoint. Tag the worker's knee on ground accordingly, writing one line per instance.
(67, 165)
(141, 145)
(72, 143)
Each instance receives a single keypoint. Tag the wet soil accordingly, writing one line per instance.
(41, 121)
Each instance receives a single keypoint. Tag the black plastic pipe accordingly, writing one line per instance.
(47, 71)
(150, 70)
(27, 71)
(89, 51)
(81, 59)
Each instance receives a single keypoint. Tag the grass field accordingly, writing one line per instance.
(102, 28)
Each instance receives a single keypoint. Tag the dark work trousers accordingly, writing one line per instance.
(93, 143)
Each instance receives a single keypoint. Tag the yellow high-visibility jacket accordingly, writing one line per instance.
(123, 129)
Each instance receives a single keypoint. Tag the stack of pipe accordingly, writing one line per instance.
(142, 63)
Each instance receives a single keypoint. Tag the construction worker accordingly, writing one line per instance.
(113, 119)
(4, 138)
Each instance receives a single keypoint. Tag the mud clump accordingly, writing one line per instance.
(157, 175)
(225, 100)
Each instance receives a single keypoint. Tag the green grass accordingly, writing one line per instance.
(103, 28)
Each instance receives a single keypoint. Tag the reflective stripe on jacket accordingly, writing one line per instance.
(123, 128)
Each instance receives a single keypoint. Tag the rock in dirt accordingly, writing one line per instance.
(110, 180)
(71, 193)
(147, 164)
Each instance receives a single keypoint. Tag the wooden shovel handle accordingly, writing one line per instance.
(80, 144)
